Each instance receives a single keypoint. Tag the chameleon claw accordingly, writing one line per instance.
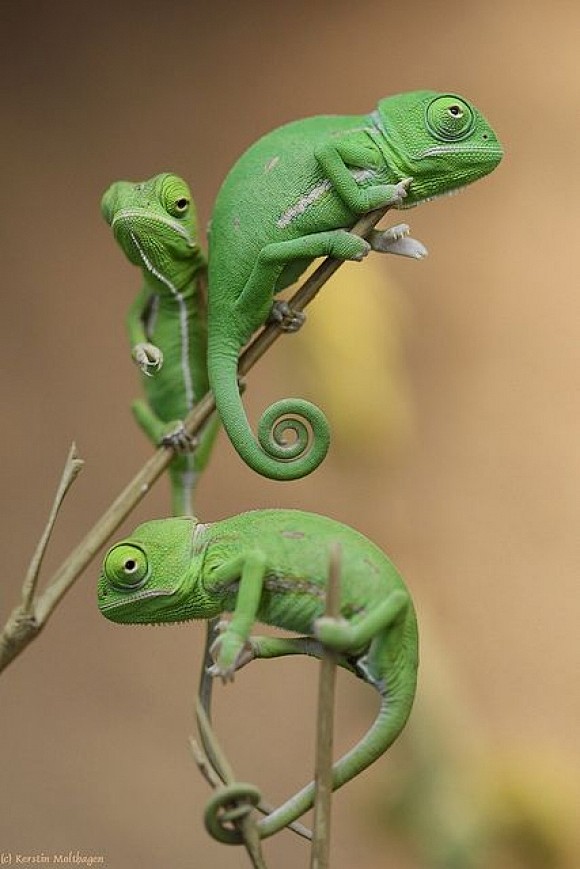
(400, 191)
(247, 654)
(179, 439)
(148, 357)
(215, 671)
(394, 233)
(238, 654)
(387, 194)
(283, 316)
(365, 250)
(396, 240)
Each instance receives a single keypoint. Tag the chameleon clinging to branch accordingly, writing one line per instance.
(155, 224)
(272, 566)
(292, 197)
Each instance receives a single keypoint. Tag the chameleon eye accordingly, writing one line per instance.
(126, 566)
(182, 204)
(449, 118)
(176, 196)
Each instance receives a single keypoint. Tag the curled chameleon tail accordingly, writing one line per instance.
(270, 454)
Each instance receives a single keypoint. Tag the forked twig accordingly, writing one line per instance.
(28, 618)
(72, 469)
(24, 624)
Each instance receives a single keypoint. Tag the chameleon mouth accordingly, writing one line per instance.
(128, 217)
(135, 609)
(476, 157)
(139, 596)
(431, 198)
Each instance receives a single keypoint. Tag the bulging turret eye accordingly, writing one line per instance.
(449, 118)
(176, 197)
(182, 204)
(126, 566)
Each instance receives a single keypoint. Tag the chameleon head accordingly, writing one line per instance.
(155, 223)
(441, 141)
(145, 578)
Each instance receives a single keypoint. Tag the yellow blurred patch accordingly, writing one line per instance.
(351, 363)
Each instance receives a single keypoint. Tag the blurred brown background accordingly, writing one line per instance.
(471, 484)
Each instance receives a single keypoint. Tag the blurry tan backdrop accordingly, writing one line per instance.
(476, 497)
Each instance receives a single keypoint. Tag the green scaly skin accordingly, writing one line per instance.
(155, 224)
(292, 197)
(272, 566)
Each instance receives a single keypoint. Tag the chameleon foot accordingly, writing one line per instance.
(335, 633)
(148, 357)
(396, 240)
(229, 652)
(401, 190)
(285, 317)
(179, 439)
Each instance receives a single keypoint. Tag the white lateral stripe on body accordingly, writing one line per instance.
(183, 322)
(315, 194)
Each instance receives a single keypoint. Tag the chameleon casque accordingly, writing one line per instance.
(292, 197)
(272, 566)
(155, 224)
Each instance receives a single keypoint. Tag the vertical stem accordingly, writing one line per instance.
(324, 737)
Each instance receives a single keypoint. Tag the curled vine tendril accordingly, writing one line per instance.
(227, 806)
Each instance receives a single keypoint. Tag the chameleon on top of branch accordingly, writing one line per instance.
(155, 224)
(272, 566)
(292, 197)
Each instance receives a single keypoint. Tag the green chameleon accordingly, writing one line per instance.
(155, 224)
(272, 566)
(292, 197)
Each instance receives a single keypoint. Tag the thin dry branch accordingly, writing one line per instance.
(28, 618)
(319, 857)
